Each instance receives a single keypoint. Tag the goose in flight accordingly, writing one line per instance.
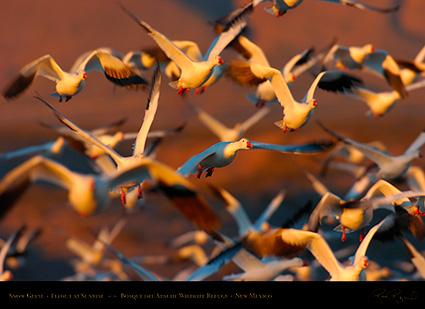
(280, 7)
(139, 145)
(389, 167)
(295, 114)
(223, 153)
(90, 193)
(411, 70)
(195, 73)
(237, 211)
(224, 133)
(380, 103)
(281, 242)
(369, 59)
(356, 214)
(71, 83)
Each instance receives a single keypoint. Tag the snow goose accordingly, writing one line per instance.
(224, 133)
(6, 275)
(380, 103)
(348, 57)
(383, 64)
(411, 70)
(415, 256)
(389, 167)
(93, 255)
(280, 7)
(256, 270)
(144, 274)
(89, 193)
(281, 241)
(237, 211)
(139, 145)
(352, 156)
(223, 153)
(195, 73)
(47, 149)
(71, 83)
(296, 114)
(354, 215)
(255, 55)
(216, 263)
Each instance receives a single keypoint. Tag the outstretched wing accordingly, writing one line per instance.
(151, 108)
(115, 69)
(312, 148)
(177, 188)
(44, 66)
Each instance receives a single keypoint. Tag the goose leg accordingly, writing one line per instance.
(139, 191)
(209, 172)
(200, 172)
(344, 236)
(123, 199)
(182, 90)
(362, 235)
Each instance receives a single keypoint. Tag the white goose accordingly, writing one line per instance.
(139, 145)
(224, 133)
(71, 83)
(297, 114)
(254, 54)
(223, 153)
(281, 241)
(237, 211)
(354, 215)
(280, 7)
(256, 270)
(411, 70)
(348, 57)
(380, 103)
(89, 193)
(382, 63)
(389, 167)
(195, 73)
(47, 149)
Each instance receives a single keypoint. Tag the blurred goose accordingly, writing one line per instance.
(380, 103)
(47, 149)
(280, 242)
(354, 215)
(71, 83)
(256, 270)
(139, 145)
(144, 274)
(348, 57)
(255, 55)
(222, 154)
(280, 7)
(296, 114)
(93, 255)
(415, 256)
(6, 275)
(389, 167)
(411, 70)
(382, 63)
(89, 193)
(237, 211)
(224, 133)
(195, 73)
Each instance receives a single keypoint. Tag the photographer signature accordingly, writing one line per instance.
(395, 296)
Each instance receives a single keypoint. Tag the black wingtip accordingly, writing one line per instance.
(155, 83)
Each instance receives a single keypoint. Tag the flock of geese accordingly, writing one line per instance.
(296, 250)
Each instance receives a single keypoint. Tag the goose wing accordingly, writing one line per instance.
(44, 66)
(151, 108)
